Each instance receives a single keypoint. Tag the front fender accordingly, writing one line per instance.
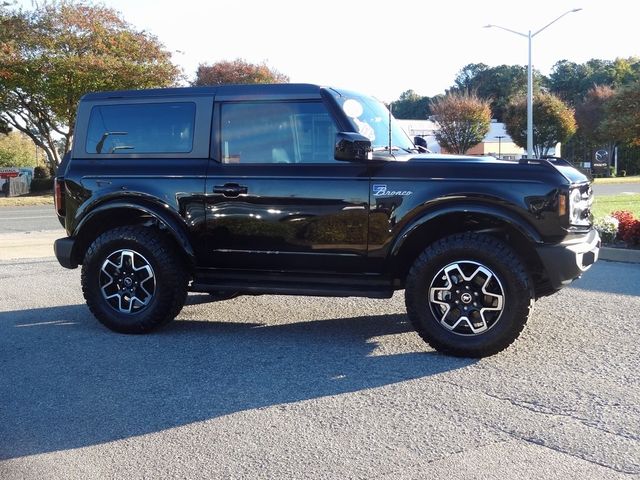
(485, 210)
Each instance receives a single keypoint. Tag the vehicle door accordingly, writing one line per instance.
(276, 197)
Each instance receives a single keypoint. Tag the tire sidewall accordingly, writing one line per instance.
(517, 299)
(149, 316)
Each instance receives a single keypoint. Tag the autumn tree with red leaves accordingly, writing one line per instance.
(464, 119)
(237, 71)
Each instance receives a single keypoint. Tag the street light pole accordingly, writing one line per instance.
(529, 36)
(500, 137)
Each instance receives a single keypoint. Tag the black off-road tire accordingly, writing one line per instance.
(165, 280)
(441, 265)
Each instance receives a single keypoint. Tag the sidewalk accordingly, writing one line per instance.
(28, 244)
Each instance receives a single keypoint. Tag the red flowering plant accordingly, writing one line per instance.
(628, 227)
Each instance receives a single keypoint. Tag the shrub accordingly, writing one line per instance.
(41, 172)
(628, 228)
(622, 173)
(41, 184)
(608, 228)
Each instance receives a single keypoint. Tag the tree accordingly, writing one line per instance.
(623, 115)
(4, 127)
(553, 122)
(17, 150)
(566, 81)
(51, 56)
(464, 120)
(496, 84)
(411, 105)
(237, 71)
(590, 114)
(571, 81)
(468, 77)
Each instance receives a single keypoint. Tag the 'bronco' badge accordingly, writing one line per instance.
(381, 191)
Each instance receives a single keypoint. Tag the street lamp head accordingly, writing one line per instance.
(488, 26)
(576, 10)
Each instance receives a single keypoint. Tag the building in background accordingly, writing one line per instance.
(422, 128)
(496, 143)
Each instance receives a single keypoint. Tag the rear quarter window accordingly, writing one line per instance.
(141, 128)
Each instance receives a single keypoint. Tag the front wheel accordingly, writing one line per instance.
(469, 295)
(132, 280)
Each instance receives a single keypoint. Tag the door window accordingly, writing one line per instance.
(270, 132)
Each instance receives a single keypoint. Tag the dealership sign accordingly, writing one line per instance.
(9, 172)
(600, 162)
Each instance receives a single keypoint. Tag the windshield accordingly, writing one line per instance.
(371, 118)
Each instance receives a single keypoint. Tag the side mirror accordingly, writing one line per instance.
(421, 143)
(352, 147)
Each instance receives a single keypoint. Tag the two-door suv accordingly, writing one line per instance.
(308, 190)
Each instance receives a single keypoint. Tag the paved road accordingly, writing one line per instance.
(301, 387)
(616, 188)
(28, 219)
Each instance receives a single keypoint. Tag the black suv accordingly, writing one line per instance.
(309, 190)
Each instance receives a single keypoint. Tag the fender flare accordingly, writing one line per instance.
(498, 212)
(161, 212)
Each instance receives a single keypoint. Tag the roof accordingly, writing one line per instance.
(256, 89)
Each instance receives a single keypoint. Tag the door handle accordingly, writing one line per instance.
(230, 189)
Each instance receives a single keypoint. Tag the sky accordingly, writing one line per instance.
(384, 48)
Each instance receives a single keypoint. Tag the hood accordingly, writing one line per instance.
(564, 168)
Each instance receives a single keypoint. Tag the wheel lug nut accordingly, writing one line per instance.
(457, 302)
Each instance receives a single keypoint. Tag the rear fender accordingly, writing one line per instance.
(165, 217)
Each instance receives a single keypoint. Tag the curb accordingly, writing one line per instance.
(627, 255)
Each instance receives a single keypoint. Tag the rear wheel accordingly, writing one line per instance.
(469, 295)
(132, 281)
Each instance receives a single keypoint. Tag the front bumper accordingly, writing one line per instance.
(564, 262)
(63, 248)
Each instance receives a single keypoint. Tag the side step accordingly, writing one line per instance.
(278, 283)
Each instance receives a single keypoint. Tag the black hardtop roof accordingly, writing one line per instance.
(257, 89)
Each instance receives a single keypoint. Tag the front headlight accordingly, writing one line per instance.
(580, 201)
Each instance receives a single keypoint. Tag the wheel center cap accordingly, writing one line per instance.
(466, 297)
(128, 282)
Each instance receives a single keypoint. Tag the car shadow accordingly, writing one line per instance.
(67, 382)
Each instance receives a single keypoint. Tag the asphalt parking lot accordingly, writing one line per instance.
(302, 387)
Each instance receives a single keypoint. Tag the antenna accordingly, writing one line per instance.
(390, 144)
